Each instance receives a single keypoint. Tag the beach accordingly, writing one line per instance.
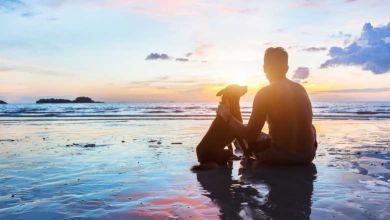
(129, 162)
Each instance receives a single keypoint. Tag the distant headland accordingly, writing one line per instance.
(60, 101)
(2, 102)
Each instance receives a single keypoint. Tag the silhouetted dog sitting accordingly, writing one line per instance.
(211, 150)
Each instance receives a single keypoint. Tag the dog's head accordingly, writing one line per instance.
(232, 93)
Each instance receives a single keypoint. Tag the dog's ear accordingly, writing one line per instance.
(221, 92)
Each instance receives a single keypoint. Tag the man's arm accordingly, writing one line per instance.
(256, 121)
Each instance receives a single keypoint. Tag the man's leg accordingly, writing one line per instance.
(263, 142)
(266, 153)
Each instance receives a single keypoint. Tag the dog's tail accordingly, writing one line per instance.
(204, 166)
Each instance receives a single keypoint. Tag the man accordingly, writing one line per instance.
(286, 107)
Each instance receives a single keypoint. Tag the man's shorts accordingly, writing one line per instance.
(268, 153)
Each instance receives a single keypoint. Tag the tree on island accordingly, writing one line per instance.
(58, 101)
(83, 100)
(54, 101)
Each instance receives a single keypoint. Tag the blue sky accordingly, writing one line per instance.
(339, 50)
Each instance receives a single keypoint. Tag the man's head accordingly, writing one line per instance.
(275, 63)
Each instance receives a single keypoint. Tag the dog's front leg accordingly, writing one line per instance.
(242, 145)
(238, 146)
(230, 148)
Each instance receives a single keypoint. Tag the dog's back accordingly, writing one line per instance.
(211, 148)
(213, 143)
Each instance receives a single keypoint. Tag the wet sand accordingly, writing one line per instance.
(141, 170)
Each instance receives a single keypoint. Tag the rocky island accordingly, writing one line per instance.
(61, 101)
(2, 102)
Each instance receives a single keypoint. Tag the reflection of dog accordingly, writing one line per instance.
(211, 150)
(228, 194)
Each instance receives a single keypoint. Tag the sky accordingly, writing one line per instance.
(186, 50)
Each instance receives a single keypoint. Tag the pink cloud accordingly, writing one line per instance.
(160, 7)
(153, 7)
(201, 49)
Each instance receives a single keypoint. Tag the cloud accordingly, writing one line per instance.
(309, 3)
(162, 81)
(16, 6)
(12, 67)
(28, 14)
(201, 50)
(182, 59)
(364, 90)
(314, 49)
(341, 35)
(346, 38)
(158, 8)
(10, 5)
(370, 51)
(163, 56)
(301, 73)
(149, 82)
(157, 56)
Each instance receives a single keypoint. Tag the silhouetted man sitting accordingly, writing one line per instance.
(286, 107)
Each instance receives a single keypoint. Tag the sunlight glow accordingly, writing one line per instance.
(240, 79)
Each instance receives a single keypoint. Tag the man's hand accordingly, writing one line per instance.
(224, 111)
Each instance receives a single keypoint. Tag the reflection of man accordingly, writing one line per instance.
(290, 189)
(286, 107)
(262, 193)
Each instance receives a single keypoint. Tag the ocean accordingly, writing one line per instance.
(177, 111)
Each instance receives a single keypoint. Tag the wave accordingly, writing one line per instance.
(360, 112)
(168, 116)
(156, 107)
(179, 111)
(371, 112)
(155, 112)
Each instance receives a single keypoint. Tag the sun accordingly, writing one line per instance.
(240, 79)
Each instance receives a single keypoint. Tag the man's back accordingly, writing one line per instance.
(289, 116)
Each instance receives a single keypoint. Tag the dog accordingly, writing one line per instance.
(211, 150)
